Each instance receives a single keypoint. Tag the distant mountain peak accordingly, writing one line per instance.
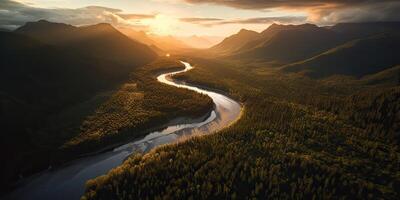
(43, 21)
(236, 41)
(42, 24)
(275, 26)
(102, 27)
(105, 25)
(47, 23)
(307, 25)
(245, 31)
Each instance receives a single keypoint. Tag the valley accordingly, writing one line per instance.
(59, 108)
(199, 100)
(300, 136)
(51, 184)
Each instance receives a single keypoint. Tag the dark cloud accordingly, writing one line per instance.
(375, 11)
(261, 20)
(14, 14)
(323, 11)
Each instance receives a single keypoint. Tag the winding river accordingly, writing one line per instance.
(67, 182)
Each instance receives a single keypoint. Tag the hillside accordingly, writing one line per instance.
(156, 42)
(235, 42)
(287, 45)
(42, 77)
(197, 41)
(366, 29)
(267, 34)
(283, 44)
(169, 43)
(356, 58)
(100, 41)
(388, 77)
(58, 78)
(139, 36)
(49, 32)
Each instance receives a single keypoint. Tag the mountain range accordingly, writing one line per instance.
(100, 41)
(169, 43)
(56, 59)
(355, 49)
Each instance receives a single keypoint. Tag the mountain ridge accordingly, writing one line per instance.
(99, 40)
(357, 58)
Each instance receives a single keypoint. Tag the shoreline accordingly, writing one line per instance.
(110, 147)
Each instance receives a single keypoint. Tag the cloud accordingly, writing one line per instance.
(322, 11)
(136, 16)
(261, 4)
(14, 14)
(369, 12)
(200, 20)
(261, 20)
(268, 20)
(264, 4)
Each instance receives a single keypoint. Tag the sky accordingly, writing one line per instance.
(197, 17)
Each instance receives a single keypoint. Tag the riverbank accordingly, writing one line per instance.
(47, 184)
(297, 139)
(130, 111)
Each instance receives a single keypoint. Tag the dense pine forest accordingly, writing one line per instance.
(299, 138)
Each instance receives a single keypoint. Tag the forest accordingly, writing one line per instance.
(299, 138)
(135, 107)
(199, 99)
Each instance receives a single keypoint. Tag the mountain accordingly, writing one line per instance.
(54, 65)
(37, 80)
(163, 43)
(156, 49)
(31, 67)
(388, 77)
(365, 29)
(139, 36)
(268, 33)
(100, 40)
(235, 42)
(285, 44)
(48, 68)
(49, 32)
(213, 39)
(51, 77)
(196, 41)
(356, 58)
(4, 30)
(169, 43)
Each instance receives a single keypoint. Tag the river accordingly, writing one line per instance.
(68, 181)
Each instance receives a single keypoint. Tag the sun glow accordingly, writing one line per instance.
(161, 24)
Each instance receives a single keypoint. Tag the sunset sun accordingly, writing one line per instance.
(161, 24)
